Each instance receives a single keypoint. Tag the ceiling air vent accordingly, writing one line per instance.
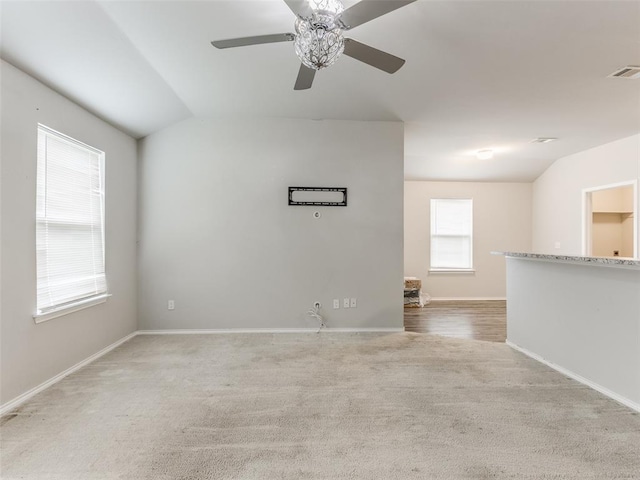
(630, 71)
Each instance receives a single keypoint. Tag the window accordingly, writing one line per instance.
(451, 234)
(69, 225)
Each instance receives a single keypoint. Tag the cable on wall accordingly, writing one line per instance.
(315, 313)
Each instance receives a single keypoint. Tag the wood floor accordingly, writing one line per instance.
(478, 320)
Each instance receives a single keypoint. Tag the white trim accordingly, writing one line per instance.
(599, 388)
(74, 307)
(20, 399)
(364, 330)
(587, 223)
(68, 139)
(466, 299)
(437, 271)
(610, 185)
(265, 330)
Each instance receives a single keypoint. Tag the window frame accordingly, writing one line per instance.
(64, 308)
(435, 270)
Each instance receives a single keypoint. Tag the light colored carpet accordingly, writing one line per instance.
(327, 406)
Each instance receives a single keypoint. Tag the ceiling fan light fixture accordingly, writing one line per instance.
(319, 36)
(317, 44)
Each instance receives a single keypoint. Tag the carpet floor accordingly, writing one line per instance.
(326, 406)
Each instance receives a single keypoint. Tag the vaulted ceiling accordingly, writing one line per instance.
(479, 74)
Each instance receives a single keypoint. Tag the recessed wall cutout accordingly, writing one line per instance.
(318, 196)
(610, 220)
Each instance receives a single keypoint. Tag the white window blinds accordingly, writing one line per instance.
(451, 233)
(69, 222)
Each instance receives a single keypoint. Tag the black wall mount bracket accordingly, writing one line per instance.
(316, 202)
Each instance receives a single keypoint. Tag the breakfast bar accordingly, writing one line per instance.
(579, 315)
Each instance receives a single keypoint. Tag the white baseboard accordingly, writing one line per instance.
(364, 330)
(265, 330)
(20, 399)
(466, 299)
(605, 391)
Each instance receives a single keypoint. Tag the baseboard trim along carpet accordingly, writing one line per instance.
(267, 330)
(466, 299)
(597, 387)
(20, 399)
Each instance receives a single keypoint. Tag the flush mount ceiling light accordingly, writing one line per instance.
(319, 36)
(543, 140)
(484, 154)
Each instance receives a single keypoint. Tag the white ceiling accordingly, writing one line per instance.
(478, 75)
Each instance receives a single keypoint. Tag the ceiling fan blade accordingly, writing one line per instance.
(257, 40)
(305, 78)
(300, 8)
(367, 10)
(372, 56)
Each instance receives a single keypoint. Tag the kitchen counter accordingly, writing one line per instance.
(599, 261)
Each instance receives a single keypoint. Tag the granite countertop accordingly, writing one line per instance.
(603, 261)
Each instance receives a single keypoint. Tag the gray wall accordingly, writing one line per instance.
(582, 318)
(216, 234)
(30, 353)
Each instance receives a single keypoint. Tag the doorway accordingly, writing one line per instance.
(610, 220)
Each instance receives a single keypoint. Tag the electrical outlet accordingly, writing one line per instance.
(336, 303)
(345, 302)
(171, 305)
(354, 303)
(557, 245)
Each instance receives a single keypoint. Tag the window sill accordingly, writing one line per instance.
(463, 271)
(74, 307)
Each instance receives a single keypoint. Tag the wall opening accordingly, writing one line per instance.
(610, 220)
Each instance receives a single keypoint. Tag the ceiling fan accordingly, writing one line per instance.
(319, 39)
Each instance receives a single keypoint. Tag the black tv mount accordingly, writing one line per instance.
(342, 190)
